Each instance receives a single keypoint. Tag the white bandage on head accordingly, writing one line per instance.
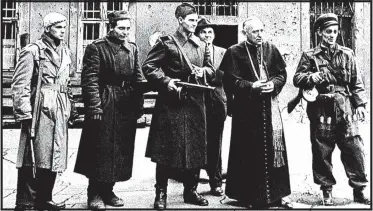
(53, 18)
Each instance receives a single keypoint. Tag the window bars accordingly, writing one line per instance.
(9, 17)
(217, 7)
(344, 10)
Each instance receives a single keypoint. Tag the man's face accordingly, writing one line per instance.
(254, 31)
(122, 29)
(57, 30)
(207, 34)
(329, 35)
(189, 23)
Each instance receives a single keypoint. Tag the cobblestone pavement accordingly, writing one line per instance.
(139, 192)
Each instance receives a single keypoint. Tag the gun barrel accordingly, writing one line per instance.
(33, 158)
(196, 86)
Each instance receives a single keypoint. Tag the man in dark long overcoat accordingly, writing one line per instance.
(177, 137)
(50, 56)
(112, 106)
(254, 72)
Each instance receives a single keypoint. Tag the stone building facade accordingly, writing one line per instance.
(288, 26)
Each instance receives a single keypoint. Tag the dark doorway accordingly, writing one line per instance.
(226, 35)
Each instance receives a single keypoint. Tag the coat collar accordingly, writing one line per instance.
(52, 52)
(116, 44)
(320, 48)
(183, 39)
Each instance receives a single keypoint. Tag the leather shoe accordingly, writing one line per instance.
(160, 201)
(24, 207)
(327, 198)
(217, 191)
(193, 197)
(359, 196)
(113, 200)
(96, 202)
(51, 205)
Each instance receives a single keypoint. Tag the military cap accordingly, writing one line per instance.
(53, 18)
(325, 20)
(184, 9)
(118, 15)
(203, 23)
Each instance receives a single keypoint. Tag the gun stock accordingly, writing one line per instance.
(195, 86)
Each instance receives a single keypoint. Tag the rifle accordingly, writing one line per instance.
(36, 110)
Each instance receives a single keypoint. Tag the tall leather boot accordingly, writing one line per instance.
(191, 196)
(108, 196)
(94, 199)
(160, 201)
(359, 196)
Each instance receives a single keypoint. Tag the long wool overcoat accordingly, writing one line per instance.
(177, 136)
(107, 146)
(252, 176)
(50, 144)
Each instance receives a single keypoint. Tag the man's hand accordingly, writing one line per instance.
(317, 77)
(171, 85)
(269, 87)
(199, 71)
(257, 85)
(96, 117)
(361, 113)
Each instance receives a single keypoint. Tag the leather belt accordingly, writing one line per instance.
(120, 83)
(57, 87)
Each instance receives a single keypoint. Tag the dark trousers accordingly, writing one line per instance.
(190, 177)
(31, 191)
(352, 157)
(214, 142)
(99, 188)
(215, 118)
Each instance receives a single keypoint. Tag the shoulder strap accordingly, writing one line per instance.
(182, 53)
(37, 93)
(188, 61)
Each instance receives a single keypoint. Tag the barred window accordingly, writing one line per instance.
(216, 7)
(9, 28)
(344, 10)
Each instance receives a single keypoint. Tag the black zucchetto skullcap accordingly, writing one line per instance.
(184, 9)
(118, 15)
(325, 20)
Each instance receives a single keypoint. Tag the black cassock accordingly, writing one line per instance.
(258, 170)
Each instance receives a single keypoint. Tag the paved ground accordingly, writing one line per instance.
(139, 191)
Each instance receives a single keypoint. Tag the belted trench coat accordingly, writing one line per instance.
(51, 141)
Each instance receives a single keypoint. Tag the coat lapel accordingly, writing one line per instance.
(66, 61)
(53, 57)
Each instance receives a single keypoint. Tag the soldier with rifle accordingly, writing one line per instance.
(42, 102)
(177, 137)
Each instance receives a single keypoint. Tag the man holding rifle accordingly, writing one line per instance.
(42, 103)
(177, 137)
